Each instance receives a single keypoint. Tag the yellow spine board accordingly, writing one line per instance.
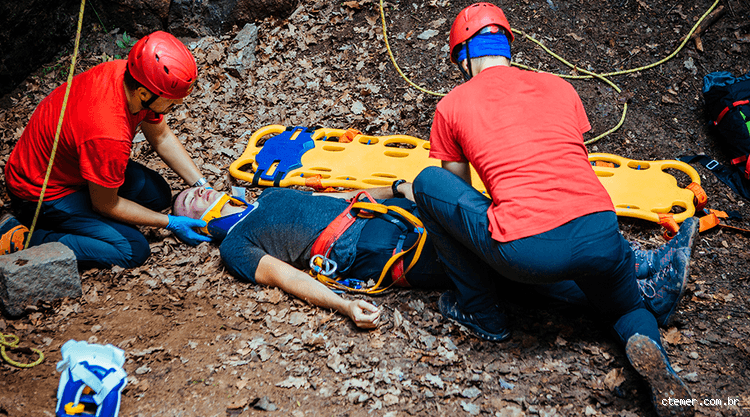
(643, 189)
(640, 189)
(366, 162)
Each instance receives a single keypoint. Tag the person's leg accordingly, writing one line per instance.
(146, 187)
(96, 241)
(605, 267)
(455, 216)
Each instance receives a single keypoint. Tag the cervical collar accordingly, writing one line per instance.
(214, 210)
(218, 226)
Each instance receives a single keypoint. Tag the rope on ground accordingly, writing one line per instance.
(393, 59)
(11, 341)
(589, 74)
(59, 124)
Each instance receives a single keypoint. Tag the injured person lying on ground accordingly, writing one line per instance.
(269, 242)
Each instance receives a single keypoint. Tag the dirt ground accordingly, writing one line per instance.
(201, 343)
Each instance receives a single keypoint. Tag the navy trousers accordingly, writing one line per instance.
(589, 250)
(98, 241)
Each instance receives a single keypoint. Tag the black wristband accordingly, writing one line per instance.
(394, 189)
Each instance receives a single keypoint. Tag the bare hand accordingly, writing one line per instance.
(364, 314)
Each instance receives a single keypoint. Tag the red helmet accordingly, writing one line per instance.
(164, 65)
(471, 20)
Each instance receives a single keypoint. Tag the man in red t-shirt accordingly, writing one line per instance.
(549, 218)
(96, 195)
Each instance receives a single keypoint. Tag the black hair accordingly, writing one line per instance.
(131, 83)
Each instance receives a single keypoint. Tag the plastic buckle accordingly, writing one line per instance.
(712, 164)
(326, 268)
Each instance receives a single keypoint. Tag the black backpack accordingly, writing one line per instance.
(728, 108)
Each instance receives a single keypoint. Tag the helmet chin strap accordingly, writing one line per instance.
(467, 75)
(147, 104)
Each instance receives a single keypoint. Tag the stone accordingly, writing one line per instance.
(41, 273)
(242, 51)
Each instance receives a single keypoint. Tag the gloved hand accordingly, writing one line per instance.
(183, 226)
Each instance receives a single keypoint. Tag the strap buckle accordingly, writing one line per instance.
(710, 165)
(322, 265)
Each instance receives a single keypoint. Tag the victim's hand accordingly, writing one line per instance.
(364, 314)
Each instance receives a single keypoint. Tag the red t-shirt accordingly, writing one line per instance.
(523, 133)
(95, 140)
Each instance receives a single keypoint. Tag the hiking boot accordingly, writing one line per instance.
(12, 234)
(662, 293)
(667, 389)
(650, 262)
(488, 325)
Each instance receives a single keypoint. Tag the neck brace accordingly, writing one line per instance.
(214, 210)
(218, 226)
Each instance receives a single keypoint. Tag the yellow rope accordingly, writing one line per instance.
(589, 74)
(59, 124)
(393, 59)
(12, 344)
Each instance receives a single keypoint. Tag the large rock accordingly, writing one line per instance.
(242, 51)
(41, 273)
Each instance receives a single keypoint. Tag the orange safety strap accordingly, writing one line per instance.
(315, 182)
(701, 198)
(349, 135)
(668, 222)
(604, 164)
(708, 221)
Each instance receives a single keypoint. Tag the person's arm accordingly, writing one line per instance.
(276, 273)
(379, 193)
(171, 151)
(462, 169)
(106, 202)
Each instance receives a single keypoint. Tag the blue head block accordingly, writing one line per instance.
(286, 150)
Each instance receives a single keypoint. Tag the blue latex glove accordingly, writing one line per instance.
(183, 226)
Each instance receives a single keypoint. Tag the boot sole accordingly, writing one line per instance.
(651, 364)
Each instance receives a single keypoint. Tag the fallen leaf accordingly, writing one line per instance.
(238, 403)
(673, 336)
(614, 378)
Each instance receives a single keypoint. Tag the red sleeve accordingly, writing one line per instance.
(443, 146)
(583, 120)
(153, 118)
(103, 161)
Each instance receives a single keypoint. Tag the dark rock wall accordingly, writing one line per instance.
(32, 32)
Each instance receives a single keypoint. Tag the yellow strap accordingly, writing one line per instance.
(418, 245)
(11, 341)
(215, 210)
(59, 125)
(72, 410)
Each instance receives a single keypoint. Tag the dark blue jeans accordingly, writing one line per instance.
(588, 250)
(96, 240)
